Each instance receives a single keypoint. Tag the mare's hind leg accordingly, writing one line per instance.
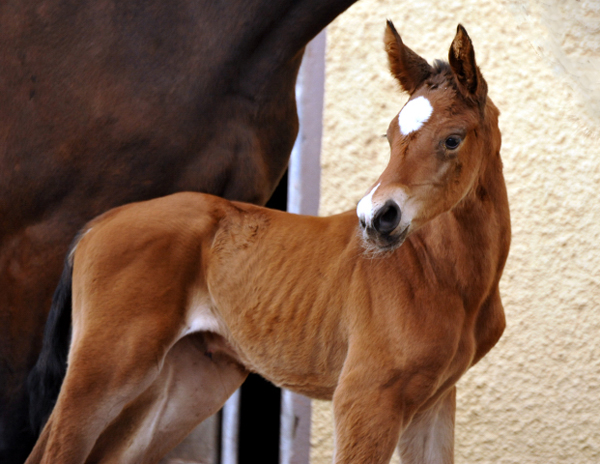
(196, 379)
(429, 438)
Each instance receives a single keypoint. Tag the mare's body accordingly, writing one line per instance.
(105, 103)
(175, 300)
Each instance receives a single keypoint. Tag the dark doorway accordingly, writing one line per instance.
(279, 198)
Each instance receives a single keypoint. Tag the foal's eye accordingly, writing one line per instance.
(452, 142)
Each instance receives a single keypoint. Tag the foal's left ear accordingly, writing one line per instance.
(464, 67)
(406, 66)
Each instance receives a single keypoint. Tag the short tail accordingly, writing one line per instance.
(46, 377)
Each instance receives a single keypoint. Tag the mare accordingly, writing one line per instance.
(176, 299)
(104, 103)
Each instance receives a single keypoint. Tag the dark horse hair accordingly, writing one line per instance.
(46, 377)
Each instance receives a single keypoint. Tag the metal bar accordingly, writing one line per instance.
(304, 175)
(230, 429)
(295, 428)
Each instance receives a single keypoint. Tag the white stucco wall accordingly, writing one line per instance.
(536, 397)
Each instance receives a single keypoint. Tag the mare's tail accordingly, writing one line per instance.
(46, 377)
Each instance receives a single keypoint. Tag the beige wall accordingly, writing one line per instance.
(536, 397)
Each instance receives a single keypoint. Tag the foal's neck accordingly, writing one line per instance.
(468, 245)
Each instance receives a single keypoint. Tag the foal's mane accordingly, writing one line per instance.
(441, 75)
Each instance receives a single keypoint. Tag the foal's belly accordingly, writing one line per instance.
(300, 355)
(285, 356)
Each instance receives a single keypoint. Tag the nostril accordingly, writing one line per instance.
(387, 218)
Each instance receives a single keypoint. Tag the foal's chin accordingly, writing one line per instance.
(376, 243)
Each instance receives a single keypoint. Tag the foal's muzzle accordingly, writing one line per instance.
(378, 230)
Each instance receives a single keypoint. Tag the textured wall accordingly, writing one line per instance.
(536, 397)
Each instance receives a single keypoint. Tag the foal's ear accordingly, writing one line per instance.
(409, 68)
(464, 67)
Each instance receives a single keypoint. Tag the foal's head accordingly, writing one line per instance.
(438, 141)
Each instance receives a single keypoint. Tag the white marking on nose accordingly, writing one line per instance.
(364, 210)
(414, 114)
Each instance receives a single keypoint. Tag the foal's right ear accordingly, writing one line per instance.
(462, 61)
(406, 66)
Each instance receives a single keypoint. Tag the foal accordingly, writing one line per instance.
(175, 300)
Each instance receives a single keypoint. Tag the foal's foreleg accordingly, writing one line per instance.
(373, 404)
(368, 419)
(429, 438)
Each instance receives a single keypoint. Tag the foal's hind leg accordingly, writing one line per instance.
(429, 438)
(196, 379)
(111, 362)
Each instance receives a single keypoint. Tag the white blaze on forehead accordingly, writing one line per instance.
(414, 114)
(364, 209)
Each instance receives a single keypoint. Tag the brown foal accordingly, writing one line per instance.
(175, 300)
